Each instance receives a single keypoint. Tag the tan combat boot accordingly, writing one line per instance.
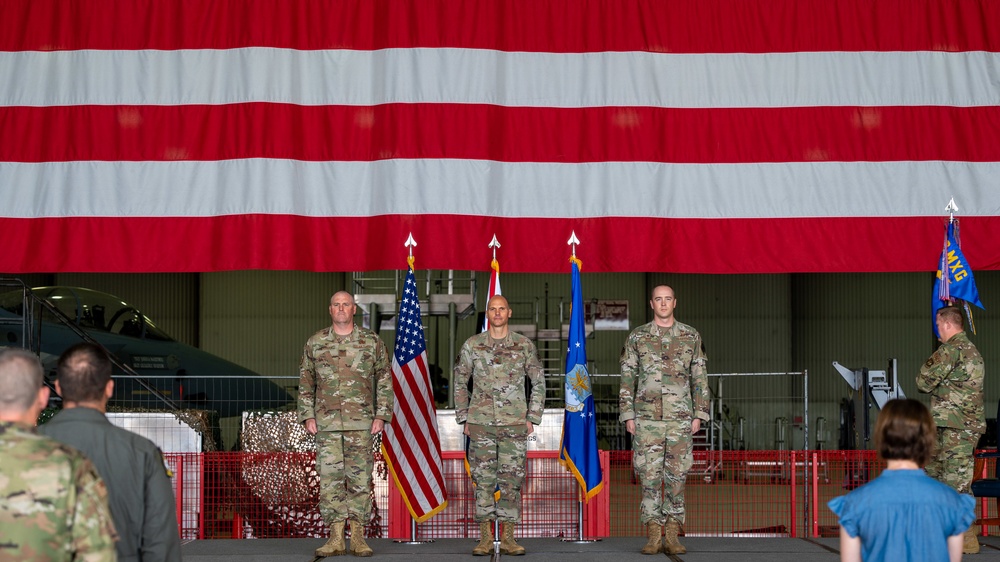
(971, 545)
(334, 546)
(485, 546)
(507, 543)
(655, 533)
(670, 543)
(358, 545)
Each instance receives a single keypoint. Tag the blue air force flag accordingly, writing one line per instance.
(578, 451)
(954, 278)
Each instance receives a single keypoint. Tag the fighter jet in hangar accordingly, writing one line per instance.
(152, 369)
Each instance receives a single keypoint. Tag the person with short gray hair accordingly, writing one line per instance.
(21, 377)
(53, 504)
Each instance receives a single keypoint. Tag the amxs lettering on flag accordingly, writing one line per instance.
(578, 451)
(412, 448)
(954, 278)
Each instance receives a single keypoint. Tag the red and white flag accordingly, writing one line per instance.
(694, 136)
(412, 448)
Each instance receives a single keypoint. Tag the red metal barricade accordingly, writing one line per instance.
(729, 493)
(986, 467)
(549, 503)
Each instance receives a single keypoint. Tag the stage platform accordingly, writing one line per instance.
(618, 549)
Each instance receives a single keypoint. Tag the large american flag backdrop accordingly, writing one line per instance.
(714, 136)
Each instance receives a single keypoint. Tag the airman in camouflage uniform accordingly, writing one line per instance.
(345, 398)
(498, 418)
(53, 505)
(953, 376)
(663, 401)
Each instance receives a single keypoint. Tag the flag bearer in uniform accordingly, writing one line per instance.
(953, 376)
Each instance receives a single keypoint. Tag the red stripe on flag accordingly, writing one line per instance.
(417, 418)
(429, 449)
(595, 134)
(773, 245)
(411, 478)
(429, 411)
(411, 453)
(560, 26)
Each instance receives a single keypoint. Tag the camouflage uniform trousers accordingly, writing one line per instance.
(345, 461)
(661, 457)
(953, 463)
(497, 456)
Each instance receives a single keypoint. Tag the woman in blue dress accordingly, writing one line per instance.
(903, 514)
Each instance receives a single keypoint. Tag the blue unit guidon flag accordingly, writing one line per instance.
(578, 450)
(954, 279)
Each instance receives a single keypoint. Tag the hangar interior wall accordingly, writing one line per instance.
(750, 323)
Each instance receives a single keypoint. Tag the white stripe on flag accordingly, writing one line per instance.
(418, 474)
(353, 77)
(533, 189)
(421, 419)
(423, 472)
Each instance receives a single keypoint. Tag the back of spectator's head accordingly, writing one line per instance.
(83, 373)
(905, 431)
(21, 377)
(953, 316)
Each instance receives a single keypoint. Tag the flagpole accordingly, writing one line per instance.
(955, 285)
(493, 288)
(580, 539)
(410, 244)
(491, 291)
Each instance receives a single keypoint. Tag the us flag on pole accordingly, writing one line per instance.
(411, 448)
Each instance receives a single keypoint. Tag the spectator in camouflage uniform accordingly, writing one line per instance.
(663, 401)
(498, 419)
(345, 398)
(953, 376)
(53, 505)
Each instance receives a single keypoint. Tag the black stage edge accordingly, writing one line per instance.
(617, 549)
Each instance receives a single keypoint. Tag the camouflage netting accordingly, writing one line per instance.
(203, 422)
(281, 491)
(271, 432)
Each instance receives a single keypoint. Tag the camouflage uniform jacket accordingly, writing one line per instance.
(497, 369)
(344, 381)
(954, 377)
(53, 505)
(664, 376)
